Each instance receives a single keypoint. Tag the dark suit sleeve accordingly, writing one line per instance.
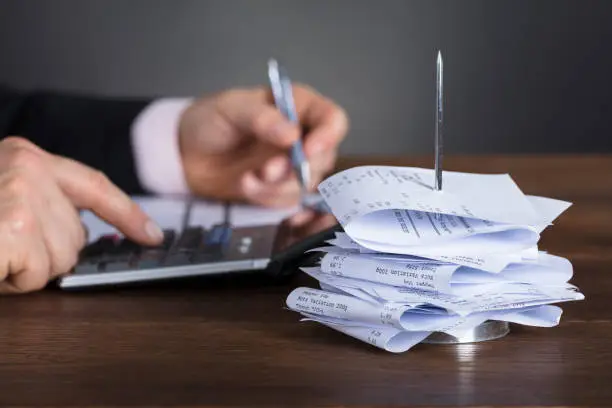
(92, 130)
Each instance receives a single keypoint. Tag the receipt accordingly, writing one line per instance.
(386, 338)
(398, 340)
(491, 254)
(465, 300)
(409, 227)
(478, 220)
(546, 269)
(441, 277)
(358, 191)
(427, 276)
(412, 261)
(538, 316)
(334, 305)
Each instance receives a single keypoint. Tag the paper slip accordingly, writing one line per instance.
(333, 305)
(398, 341)
(410, 228)
(358, 191)
(494, 297)
(348, 310)
(383, 208)
(474, 251)
(446, 278)
(412, 260)
(539, 316)
(386, 338)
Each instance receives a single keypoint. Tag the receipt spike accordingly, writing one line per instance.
(438, 135)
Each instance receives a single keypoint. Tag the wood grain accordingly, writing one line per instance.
(227, 341)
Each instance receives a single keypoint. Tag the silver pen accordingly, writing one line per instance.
(283, 98)
(439, 103)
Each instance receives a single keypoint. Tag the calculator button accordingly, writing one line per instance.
(207, 256)
(148, 258)
(169, 238)
(86, 268)
(190, 239)
(127, 247)
(103, 245)
(219, 235)
(115, 266)
(177, 258)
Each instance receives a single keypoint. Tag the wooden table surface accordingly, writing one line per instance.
(229, 342)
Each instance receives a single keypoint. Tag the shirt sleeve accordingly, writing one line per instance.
(157, 158)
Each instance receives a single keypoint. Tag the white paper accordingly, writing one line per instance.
(548, 209)
(491, 255)
(539, 316)
(426, 276)
(481, 221)
(397, 340)
(386, 338)
(358, 191)
(547, 269)
(410, 228)
(495, 297)
(446, 278)
(334, 305)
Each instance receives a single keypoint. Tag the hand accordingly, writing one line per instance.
(235, 145)
(40, 229)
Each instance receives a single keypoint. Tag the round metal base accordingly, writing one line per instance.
(489, 330)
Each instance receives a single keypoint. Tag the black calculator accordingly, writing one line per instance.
(197, 251)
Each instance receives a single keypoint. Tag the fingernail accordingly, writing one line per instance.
(154, 231)
(275, 170)
(250, 185)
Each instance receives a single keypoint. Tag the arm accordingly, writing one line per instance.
(95, 131)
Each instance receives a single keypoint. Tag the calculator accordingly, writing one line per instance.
(197, 251)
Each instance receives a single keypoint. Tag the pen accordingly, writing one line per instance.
(438, 135)
(283, 98)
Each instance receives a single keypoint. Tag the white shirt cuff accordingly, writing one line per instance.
(156, 147)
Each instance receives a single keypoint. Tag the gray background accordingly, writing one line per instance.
(520, 76)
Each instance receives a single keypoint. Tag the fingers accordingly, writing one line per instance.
(258, 192)
(279, 169)
(31, 274)
(276, 169)
(321, 166)
(24, 261)
(326, 121)
(63, 233)
(91, 189)
(251, 112)
(40, 229)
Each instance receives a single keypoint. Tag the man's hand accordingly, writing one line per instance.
(40, 228)
(235, 145)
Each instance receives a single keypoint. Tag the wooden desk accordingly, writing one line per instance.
(229, 342)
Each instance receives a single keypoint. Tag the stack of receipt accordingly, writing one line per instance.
(412, 261)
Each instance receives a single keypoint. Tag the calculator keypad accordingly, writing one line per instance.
(113, 253)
